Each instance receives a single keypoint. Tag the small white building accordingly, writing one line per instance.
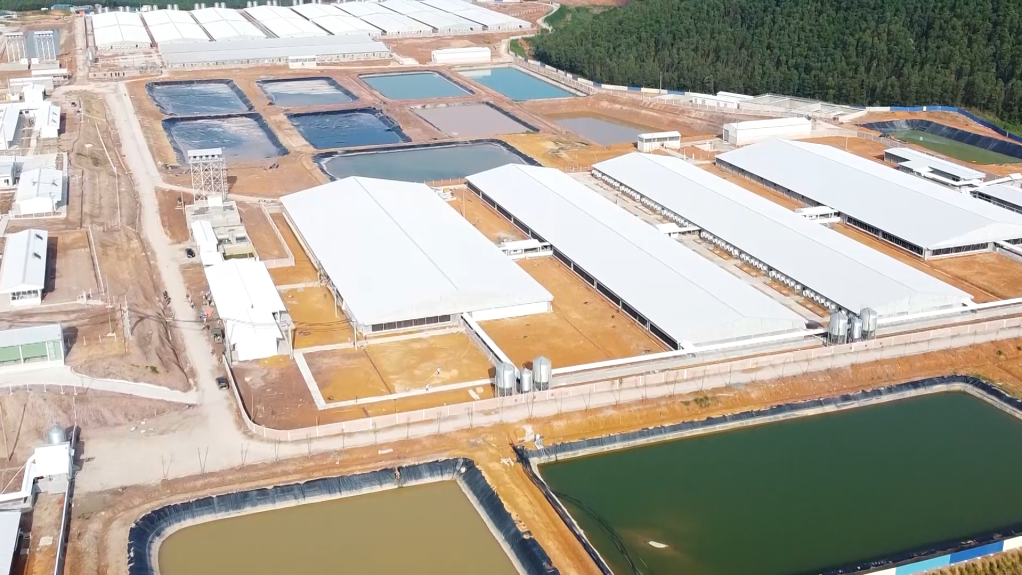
(39, 345)
(33, 93)
(470, 55)
(656, 140)
(256, 323)
(7, 172)
(40, 192)
(47, 119)
(741, 133)
(206, 243)
(10, 122)
(23, 269)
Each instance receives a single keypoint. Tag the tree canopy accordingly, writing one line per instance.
(864, 52)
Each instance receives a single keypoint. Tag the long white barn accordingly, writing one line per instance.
(927, 219)
(681, 297)
(399, 257)
(839, 268)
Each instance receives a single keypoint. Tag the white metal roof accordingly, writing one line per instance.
(226, 24)
(441, 21)
(284, 22)
(204, 236)
(362, 8)
(108, 19)
(396, 23)
(468, 11)
(246, 301)
(173, 26)
(688, 297)
(183, 53)
(31, 334)
(118, 35)
(312, 11)
(920, 212)
(396, 251)
(771, 123)
(957, 170)
(40, 183)
(849, 273)
(345, 24)
(9, 539)
(24, 263)
(1007, 194)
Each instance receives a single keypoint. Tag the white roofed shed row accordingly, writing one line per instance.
(923, 217)
(284, 22)
(173, 26)
(227, 24)
(683, 298)
(119, 31)
(333, 20)
(397, 253)
(839, 268)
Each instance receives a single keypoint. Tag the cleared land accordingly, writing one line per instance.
(260, 232)
(993, 273)
(582, 328)
(316, 322)
(756, 188)
(398, 366)
(303, 271)
(480, 215)
(70, 271)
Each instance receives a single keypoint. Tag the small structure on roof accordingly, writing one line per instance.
(40, 192)
(656, 140)
(23, 269)
(933, 168)
(256, 323)
(206, 243)
(37, 346)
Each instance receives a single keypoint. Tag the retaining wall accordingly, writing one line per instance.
(152, 528)
(914, 561)
(956, 134)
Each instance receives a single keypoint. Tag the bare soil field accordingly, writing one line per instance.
(418, 362)
(631, 111)
(346, 374)
(421, 49)
(260, 232)
(70, 271)
(97, 538)
(565, 153)
(993, 273)
(480, 215)
(864, 148)
(172, 214)
(317, 322)
(582, 328)
(303, 271)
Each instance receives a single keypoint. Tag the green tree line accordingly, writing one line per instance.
(862, 52)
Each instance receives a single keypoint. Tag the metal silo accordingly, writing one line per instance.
(56, 435)
(525, 381)
(855, 329)
(837, 329)
(541, 371)
(504, 379)
(869, 322)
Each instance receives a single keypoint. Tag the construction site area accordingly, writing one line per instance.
(270, 279)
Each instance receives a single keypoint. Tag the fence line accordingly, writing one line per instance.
(654, 383)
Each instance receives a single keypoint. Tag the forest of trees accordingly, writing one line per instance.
(863, 52)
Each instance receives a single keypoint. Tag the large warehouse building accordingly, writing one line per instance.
(338, 23)
(400, 258)
(167, 26)
(256, 323)
(226, 24)
(284, 22)
(924, 218)
(845, 272)
(273, 51)
(116, 31)
(679, 296)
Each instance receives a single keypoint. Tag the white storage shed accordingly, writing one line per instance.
(742, 133)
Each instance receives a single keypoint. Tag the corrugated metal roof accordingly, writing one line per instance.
(396, 251)
(226, 24)
(468, 11)
(1007, 194)
(849, 273)
(117, 35)
(771, 123)
(40, 183)
(362, 8)
(108, 19)
(9, 530)
(32, 334)
(246, 301)
(687, 296)
(283, 22)
(920, 212)
(24, 262)
(957, 170)
(395, 23)
(266, 48)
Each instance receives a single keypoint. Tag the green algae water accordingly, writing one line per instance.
(953, 148)
(804, 495)
(429, 529)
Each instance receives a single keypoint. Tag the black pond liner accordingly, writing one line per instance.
(324, 157)
(170, 123)
(504, 112)
(964, 136)
(149, 528)
(316, 135)
(532, 458)
(469, 91)
(333, 83)
(150, 87)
